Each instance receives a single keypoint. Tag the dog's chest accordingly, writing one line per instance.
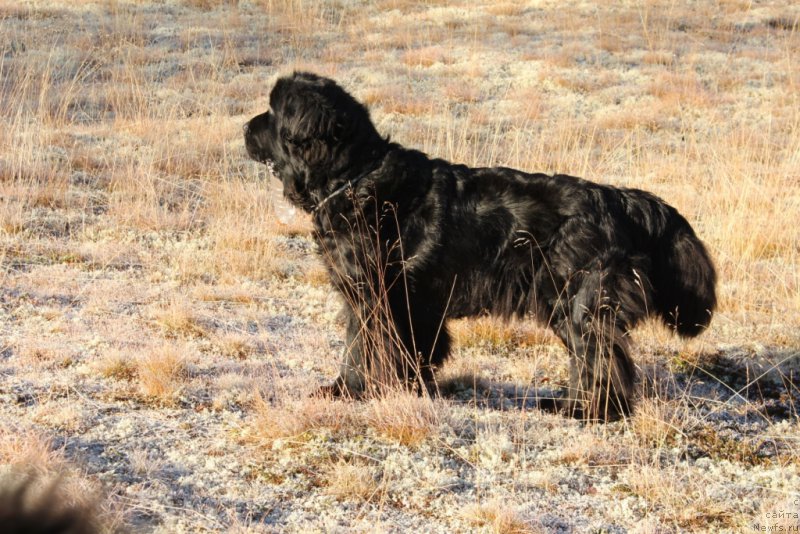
(356, 247)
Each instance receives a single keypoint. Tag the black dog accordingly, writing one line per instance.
(411, 241)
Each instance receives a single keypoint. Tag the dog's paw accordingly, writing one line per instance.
(566, 404)
(562, 405)
(555, 405)
(337, 390)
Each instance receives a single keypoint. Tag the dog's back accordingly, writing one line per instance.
(547, 227)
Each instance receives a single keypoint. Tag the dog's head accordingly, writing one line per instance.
(315, 135)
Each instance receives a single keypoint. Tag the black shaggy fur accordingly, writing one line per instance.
(29, 506)
(411, 241)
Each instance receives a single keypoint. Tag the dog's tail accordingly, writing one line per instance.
(684, 277)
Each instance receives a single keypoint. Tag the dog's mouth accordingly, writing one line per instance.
(255, 141)
(261, 158)
(271, 168)
(254, 151)
(272, 171)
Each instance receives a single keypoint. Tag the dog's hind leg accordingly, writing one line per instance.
(601, 306)
(601, 371)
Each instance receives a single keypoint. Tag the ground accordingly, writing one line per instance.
(164, 315)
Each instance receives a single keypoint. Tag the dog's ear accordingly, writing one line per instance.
(312, 128)
(308, 109)
(318, 123)
(314, 120)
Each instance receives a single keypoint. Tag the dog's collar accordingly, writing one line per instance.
(347, 185)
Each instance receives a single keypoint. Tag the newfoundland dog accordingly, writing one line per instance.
(412, 241)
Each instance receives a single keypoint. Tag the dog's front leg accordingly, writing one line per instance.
(383, 351)
(351, 381)
(373, 355)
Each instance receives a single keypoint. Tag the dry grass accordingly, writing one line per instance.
(406, 418)
(66, 417)
(499, 518)
(284, 418)
(29, 449)
(35, 353)
(163, 371)
(235, 345)
(681, 499)
(39, 486)
(658, 423)
(496, 333)
(117, 365)
(144, 463)
(593, 451)
(352, 481)
(178, 319)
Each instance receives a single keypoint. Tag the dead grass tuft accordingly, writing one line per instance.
(396, 100)
(163, 372)
(657, 423)
(506, 9)
(427, 56)
(289, 418)
(461, 92)
(494, 332)
(350, 481)
(13, 216)
(235, 345)
(317, 276)
(179, 319)
(593, 451)
(406, 418)
(659, 57)
(648, 118)
(144, 463)
(217, 293)
(245, 218)
(530, 104)
(117, 365)
(141, 198)
(679, 497)
(681, 88)
(499, 518)
(29, 449)
(63, 416)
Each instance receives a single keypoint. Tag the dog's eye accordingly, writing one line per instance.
(288, 138)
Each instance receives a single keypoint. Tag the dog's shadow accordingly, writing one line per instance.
(720, 386)
(491, 394)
